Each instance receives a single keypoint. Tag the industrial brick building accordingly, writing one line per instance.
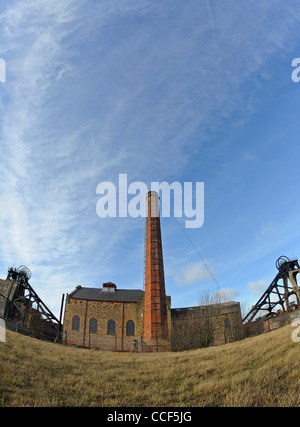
(136, 320)
(142, 320)
(206, 325)
(107, 318)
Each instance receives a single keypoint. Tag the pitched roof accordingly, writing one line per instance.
(211, 309)
(96, 294)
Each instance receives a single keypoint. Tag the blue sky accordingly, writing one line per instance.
(167, 90)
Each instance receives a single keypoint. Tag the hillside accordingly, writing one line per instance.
(259, 371)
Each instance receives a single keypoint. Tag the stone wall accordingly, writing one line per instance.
(192, 327)
(203, 326)
(102, 312)
(7, 291)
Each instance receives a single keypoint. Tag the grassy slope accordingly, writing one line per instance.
(259, 371)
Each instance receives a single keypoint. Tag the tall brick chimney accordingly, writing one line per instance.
(155, 309)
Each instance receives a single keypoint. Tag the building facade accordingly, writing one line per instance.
(113, 319)
(108, 318)
(132, 320)
(142, 320)
(206, 325)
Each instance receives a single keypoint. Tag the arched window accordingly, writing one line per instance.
(227, 323)
(111, 327)
(130, 328)
(93, 326)
(75, 323)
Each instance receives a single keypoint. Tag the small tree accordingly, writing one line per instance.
(202, 325)
(190, 330)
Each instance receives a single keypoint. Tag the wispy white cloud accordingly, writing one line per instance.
(94, 90)
(39, 209)
(191, 273)
(269, 227)
(259, 287)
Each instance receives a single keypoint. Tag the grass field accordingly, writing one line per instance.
(259, 371)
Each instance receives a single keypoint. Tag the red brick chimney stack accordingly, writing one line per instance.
(155, 310)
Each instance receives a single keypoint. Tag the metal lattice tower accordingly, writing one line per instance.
(282, 289)
(24, 297)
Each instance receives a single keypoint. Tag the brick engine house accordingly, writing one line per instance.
(142, 320)
(125, 319)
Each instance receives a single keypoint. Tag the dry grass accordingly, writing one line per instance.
(260, 371)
